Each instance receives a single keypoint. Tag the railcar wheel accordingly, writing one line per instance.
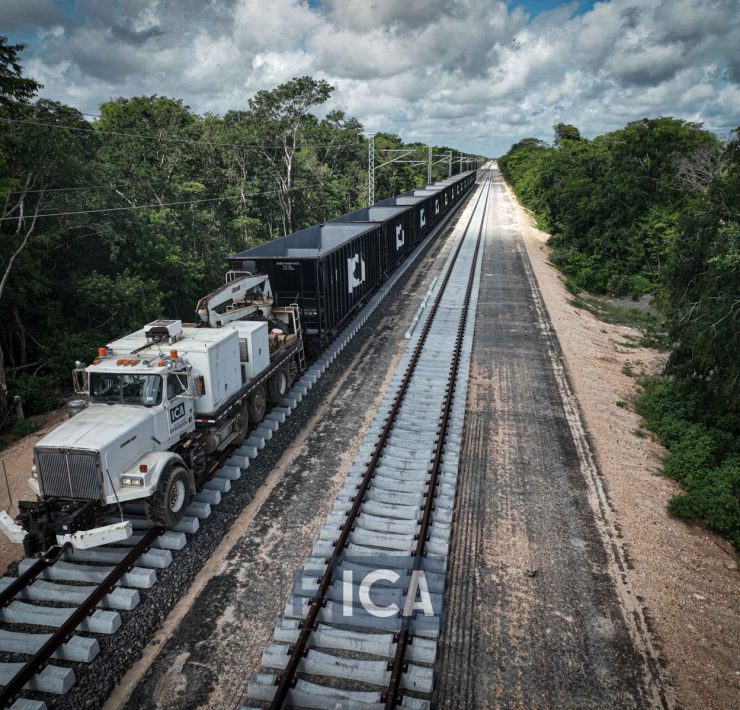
(278, 385)
(257, 405)
(167, 506)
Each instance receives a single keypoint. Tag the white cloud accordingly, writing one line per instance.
(475, 74)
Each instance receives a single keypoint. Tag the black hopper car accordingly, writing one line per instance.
(330, 270)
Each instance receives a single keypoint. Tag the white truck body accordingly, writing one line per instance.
(152, 392)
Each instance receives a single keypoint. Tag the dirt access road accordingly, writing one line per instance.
(540, 610)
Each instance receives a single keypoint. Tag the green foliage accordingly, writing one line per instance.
(612, 204)
(565, 132)
(23, 427)
(14, 87)
(40, 393)
(704, 451)
(702, 284)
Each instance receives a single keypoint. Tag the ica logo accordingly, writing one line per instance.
(355, 272)
(417, 598)
(400, 238)
(177, 413)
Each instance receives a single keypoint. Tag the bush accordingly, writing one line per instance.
(23, 427)
(703, 456)
(39, 393)
(716, 501)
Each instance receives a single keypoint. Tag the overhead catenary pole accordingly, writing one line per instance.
(429, 166)
(370, 169)
(449, 164)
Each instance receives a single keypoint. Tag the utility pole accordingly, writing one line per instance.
(370, 169)
(429, 167)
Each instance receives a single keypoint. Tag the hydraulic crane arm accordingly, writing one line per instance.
(235, 300)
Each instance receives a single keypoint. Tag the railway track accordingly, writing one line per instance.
(53, 612)
(345, 641)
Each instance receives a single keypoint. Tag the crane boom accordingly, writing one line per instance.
(237, 299)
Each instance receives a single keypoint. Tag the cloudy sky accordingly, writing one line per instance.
(474, 74)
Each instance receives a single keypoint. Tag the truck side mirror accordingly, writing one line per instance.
(80, 379)
(200, 385)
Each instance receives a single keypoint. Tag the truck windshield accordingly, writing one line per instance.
(109, 388)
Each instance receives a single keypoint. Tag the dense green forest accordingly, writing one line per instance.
(655, 208)
(112, 222)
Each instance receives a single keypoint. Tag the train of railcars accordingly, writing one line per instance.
(330, 270)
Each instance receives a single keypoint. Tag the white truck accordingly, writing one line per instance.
(164, 402)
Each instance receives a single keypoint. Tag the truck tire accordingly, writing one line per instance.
(278, 386)
(242, 423)
(257, 405)
(167, 506)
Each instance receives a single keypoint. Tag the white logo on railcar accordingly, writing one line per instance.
(355, 272)
(400, 236)
(422, 218)
(436, 207)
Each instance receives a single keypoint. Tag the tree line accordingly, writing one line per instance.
(113, 222)
(654, 208)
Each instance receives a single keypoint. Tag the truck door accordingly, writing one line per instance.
(179, 405)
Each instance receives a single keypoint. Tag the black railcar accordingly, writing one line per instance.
(396, 224)
(331, 269)
(328, 269)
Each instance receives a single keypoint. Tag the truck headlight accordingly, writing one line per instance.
(34, 471)
(136, 481)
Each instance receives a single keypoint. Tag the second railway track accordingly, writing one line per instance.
(339, 643)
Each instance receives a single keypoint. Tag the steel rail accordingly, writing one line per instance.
(297, 651)
(65, 632)
(404, 637)
(24, 580)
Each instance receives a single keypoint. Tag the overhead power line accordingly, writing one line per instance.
(151, 136)
(155, 205)
(79, 188)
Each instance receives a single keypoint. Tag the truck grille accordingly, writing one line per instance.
(69, 474)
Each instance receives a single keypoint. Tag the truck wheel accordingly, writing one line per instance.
(257, 405)
(242, 423)
(278, 385)
(167, 506)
